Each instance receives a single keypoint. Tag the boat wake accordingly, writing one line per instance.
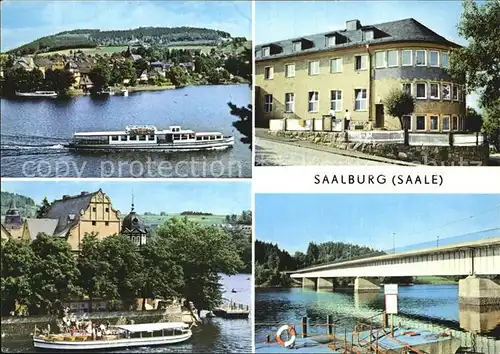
(12, 145)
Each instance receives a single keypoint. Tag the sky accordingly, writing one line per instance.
(24, 21)
(293, 220)
(216, 197)
(278, 20)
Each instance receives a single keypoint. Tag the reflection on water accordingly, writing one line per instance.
(436, 304)
(480, 322)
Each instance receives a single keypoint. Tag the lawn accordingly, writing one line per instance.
(90, 51)
(434, 280)
(207, 220)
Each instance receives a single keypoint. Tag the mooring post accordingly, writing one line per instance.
(345, 338)
(392, 325)
(330, 324)
(268, 339)
(304, 327)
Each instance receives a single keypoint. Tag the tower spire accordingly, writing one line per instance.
(132, 209)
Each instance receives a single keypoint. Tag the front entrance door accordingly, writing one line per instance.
(379, 116)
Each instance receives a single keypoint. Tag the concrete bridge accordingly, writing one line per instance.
(471, 259)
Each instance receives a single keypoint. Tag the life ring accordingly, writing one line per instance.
(291, 335)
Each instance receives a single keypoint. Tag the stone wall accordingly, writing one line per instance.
(426, 155)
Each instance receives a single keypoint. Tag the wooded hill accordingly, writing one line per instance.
(90, 38)
(26, 205)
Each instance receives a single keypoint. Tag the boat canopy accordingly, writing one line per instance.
(150, 327)
(209, 133)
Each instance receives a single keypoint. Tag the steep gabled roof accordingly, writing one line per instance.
(38, 226)
(407, 30)
(67, 211)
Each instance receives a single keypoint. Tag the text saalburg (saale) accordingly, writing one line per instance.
(380, 179)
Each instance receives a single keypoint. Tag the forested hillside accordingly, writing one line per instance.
(89, 38)
(26, 205)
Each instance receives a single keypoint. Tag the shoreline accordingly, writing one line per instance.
(417, 282)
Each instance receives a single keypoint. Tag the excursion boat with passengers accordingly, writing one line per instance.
(92, 337)
(37, 94)
(147, 137)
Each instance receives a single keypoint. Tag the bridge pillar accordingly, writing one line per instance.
(309, 283)
(476, 292)
(363, 285)
(324, 284)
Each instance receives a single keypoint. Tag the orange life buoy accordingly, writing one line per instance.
(291, 335)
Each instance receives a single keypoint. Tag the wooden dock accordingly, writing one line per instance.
(231, 309)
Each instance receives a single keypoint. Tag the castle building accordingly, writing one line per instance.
(134, 228)
(354, 69)
(12, 225)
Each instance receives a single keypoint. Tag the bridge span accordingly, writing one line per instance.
(474, 260)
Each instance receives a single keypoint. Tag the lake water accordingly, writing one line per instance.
(33, 131)
(214, 335)
(436, 304)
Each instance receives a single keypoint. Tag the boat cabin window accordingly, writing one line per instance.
(176, 129)
(142, 137)
(151, 137)
(176, 137)
(184, 137)
(114, 138)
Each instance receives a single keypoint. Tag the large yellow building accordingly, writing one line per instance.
(354, 69)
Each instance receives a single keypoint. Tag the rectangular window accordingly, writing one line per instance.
(368, 35)
(421, 90)
(107, 210)
(380, 60)
(454, 123)
(297, 46)
(407, 122)
(407, 88)
(446, 91)
(434, 58)
(265, 51)
(406, 58)
(336, 65)
(393, 58)
(454, 92)
(336, 100)
(268, 73)
(444, 60)
(446, 123)
(94, 223)
(330, 41)
(434, 91)
(314, 67)
(420, 57)
(290, 70)
(289, 102)
(114, 138)
(268, 103)
(459, 92)
(313, 97)
(106, 223)
(420, 122)
(93, 209)
(360, 100)
(360, 62)
(434, 122)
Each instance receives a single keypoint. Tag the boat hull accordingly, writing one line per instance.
(153, 147)
(108, 344)
(36, 95)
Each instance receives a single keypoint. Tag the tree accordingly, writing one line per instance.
(163, 278)
(398, 104)
(312, 253)
(95, 279)
(54, 274)
(203, 253)
(59, 80)
(178, 76)
(126, 268)
(140, 65)
(491, 125)
(16, 263)
(43, 208)
(479, 61)
(100, 75)
(473, 120)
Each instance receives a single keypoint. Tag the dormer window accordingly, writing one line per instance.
(297, 46)
(265, 51)
(368, 35)
(330, 41)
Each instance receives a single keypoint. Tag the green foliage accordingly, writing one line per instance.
(203, 253)
(140, 65)
(473, 119)
(479, 61)
(178, 76)
(43, 208)
(123, 71)
(398, 104)
(244, 124)
(25, 205)
(54, 274)
(16, 262)
(491, 125)
(245, 218)
(23, 81)
(100, 75)
(59, 80)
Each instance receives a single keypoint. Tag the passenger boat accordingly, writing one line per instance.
(49, 94)
(118, 336)
(149, 138)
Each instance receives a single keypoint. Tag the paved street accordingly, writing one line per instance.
(275, 153)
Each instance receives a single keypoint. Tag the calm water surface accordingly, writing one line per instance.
(436, 304)
(214, 335)
(33, 131)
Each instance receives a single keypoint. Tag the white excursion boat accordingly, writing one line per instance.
(149, 138)
(118, 336)
(50, 94)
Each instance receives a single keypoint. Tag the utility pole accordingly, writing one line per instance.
(394, 242)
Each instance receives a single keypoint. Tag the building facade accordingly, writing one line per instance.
(354, 69)
(134, 228)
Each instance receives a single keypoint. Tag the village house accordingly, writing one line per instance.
(354, 69)
(25, 63)
(143, 77)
